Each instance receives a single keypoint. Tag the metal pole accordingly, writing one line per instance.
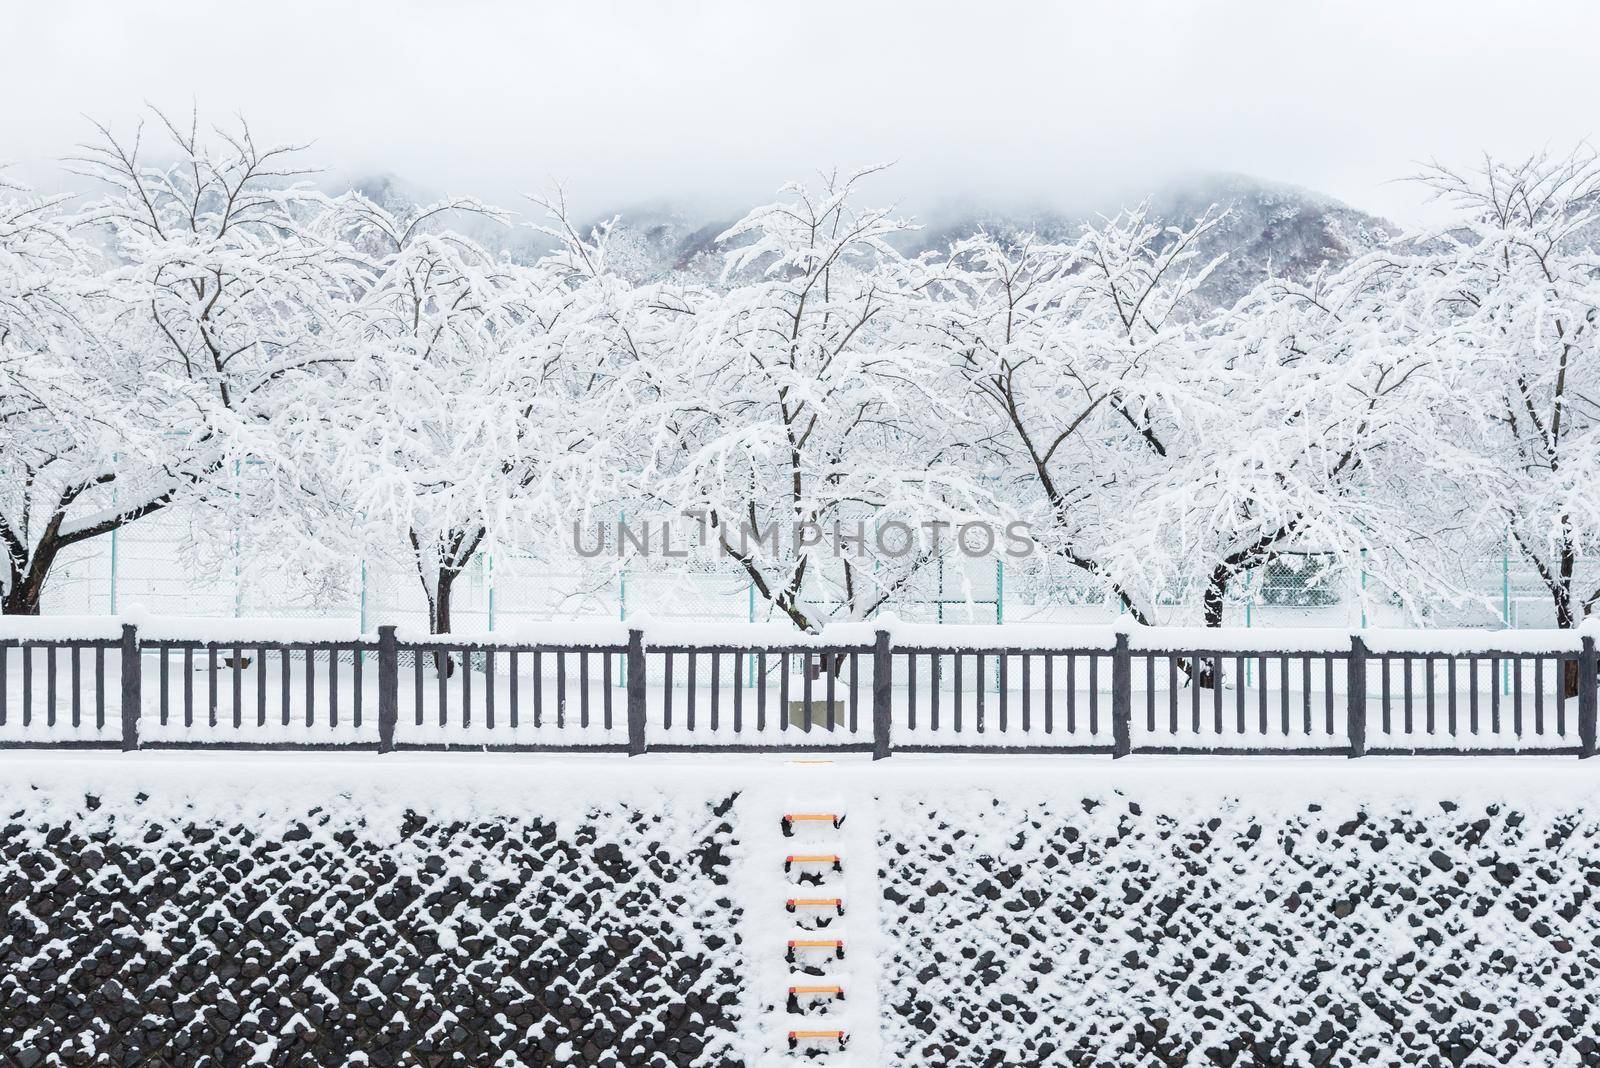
(1356, 697)
(1588, 662)
(882, 669)
(636, 710)
(1121, 698)
(388, 688)
(132, 691)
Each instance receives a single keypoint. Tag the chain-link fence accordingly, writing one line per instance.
(177, 564)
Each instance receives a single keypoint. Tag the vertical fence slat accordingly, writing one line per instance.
(99, 687)
(829, 663)
(1432, 721)
(1239, 692)
(77, 700)
(538, 681)
(1049, 693)
(666, 690)
(561, 689)
(1150, 693)
(1538, 695)
(1001, 694)
(806, 666)
(1027, 693)
(50, 685)
(1472, 694)
(488, 689)
(716, 689)
(238, 687)
(1494, 695)
(211, 684)
(511, 688)
(1262, 711)
(854, 720)
(1094, 694)
(978, 688)
(761, 689)
(688, 700)
(955, 714)
(583, 690)
(1072, 694)
(1516, 696)
(261, 686)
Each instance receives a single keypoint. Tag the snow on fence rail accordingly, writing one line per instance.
(148, 682)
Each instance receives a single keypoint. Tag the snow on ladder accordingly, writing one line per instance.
(817, 1041)
(791, 820)
(814, 998)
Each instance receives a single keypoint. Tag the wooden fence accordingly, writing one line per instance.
(1159, 693)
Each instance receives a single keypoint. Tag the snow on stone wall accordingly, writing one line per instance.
(337, 930)
(1108, 932)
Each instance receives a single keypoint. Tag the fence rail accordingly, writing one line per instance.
(1164, 695)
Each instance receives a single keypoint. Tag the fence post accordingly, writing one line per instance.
(636, 717)
(1355, 697)
(132, 688)
(882, 677)
(388, 688)
(1587, 665)
(1121, 698)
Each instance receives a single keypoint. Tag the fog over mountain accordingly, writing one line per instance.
(1271, 227)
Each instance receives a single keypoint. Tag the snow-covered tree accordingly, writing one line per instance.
(1303, 435)
(794, 422)
(1078, 359)
(461, 423)
(1511, 287)
(211, 289)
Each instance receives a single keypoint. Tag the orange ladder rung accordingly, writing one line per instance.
(835, 944)
(795, 903)
(829, 858)
(790, 819)
(797, 1037)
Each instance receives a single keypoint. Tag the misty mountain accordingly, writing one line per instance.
(1270, 228)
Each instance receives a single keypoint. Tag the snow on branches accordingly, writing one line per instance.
(355, 377)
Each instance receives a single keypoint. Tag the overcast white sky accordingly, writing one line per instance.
(620, 102)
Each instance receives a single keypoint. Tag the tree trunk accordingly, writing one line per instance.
(1566, 618)
(439, 614)
(1209, 676)
(28, 577)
